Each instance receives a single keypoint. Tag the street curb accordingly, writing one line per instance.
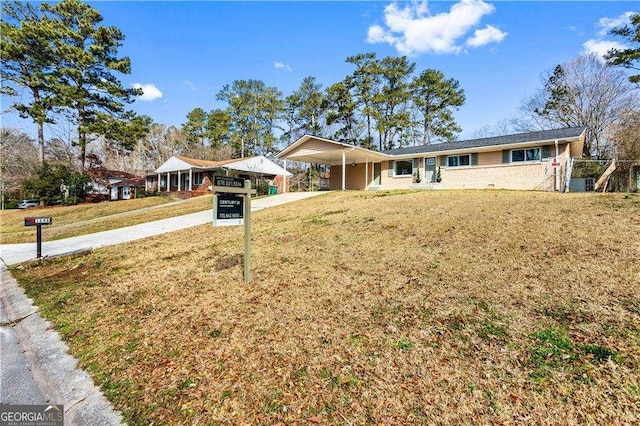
(56, 378)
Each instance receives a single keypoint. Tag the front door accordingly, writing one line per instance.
(430, 169)
(377, 171)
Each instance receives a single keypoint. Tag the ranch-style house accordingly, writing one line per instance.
(540, 160)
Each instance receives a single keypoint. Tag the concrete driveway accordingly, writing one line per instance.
(17, 253)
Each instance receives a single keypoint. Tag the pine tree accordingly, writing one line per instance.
(85, 81)
(28, 62)
(628, 57)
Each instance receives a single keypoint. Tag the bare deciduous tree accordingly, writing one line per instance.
(18, 159)
(582, 92)
(501, 127)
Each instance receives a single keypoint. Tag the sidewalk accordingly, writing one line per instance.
(35, 367)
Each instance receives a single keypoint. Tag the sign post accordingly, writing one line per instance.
(38, 222)
(232, 206)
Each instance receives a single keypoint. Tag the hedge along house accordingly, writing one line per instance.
(190, 177)
(528, 161)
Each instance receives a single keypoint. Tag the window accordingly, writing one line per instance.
(198, 177)
(458, 160)
(403, 168)
(523, 155)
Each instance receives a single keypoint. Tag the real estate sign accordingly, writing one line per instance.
(232, 206)
(228, 182)
(228, 210)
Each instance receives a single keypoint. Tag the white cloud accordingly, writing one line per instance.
(149, 92)
(601, 47)
(489, 34)
(281, 66)
(412, 29)
(189, 84)
(607, 24)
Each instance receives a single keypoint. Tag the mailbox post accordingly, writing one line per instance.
(38, 222)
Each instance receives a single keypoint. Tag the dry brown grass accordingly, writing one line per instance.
(88, 218)
(368, 308)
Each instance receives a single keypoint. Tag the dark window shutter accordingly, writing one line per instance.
(415, 165)
(474, 159)
(443, 161)
(391, 166)
(506, 156)
(546, 152)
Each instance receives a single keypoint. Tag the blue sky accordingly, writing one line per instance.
(183, 53)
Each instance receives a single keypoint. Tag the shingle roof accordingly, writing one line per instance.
(545, 135)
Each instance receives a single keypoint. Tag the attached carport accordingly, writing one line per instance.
(316, 150)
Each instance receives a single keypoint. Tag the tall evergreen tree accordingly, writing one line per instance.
(434, 96)
(218, 128)
(28, 62)
(88, 57)
(311, 100)
(630, 56)
(254, 109)
(292, 131)
(390, 103)
(341, 110)
(365, 81)
(195, 127)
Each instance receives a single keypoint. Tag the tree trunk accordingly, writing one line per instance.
(40, 143)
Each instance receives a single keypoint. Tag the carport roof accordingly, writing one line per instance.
(313, 149)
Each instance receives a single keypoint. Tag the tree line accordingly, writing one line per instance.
(381, 105)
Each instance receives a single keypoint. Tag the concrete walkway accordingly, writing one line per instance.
(35, 367)
(12, 254)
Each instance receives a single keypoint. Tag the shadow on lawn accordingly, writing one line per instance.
(229, 261)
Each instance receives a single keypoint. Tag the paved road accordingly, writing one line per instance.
(35, 367)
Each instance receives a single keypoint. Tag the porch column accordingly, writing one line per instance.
(344, 168)
(284, 179)
(159, 189)
(178, 180)
(366, 173)
(190, 179)
(168, 182)
(556, 175)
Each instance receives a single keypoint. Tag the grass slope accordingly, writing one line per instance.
(367, 308)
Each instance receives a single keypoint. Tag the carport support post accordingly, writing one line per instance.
(344, 168)
(247, 231)
(284, 179)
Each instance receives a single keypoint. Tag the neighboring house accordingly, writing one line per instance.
(114, 185)
(530, 161)
(190, 176)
